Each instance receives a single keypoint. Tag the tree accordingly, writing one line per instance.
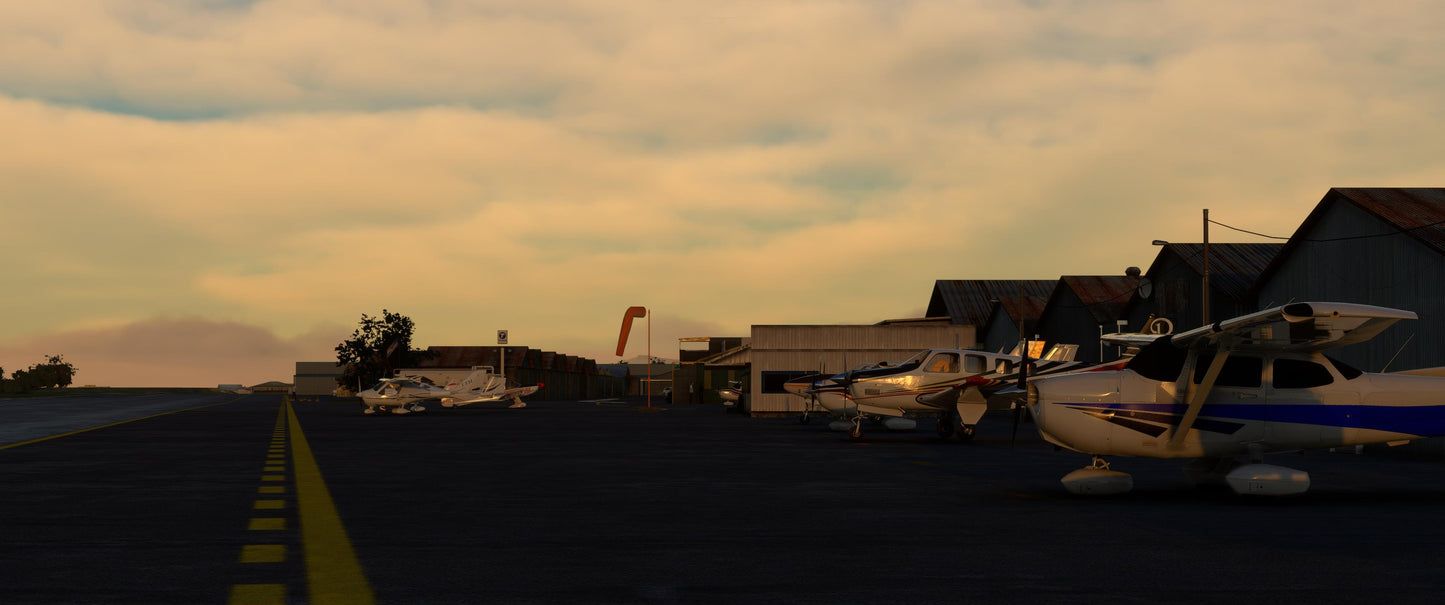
(377, 346)
(54, 373)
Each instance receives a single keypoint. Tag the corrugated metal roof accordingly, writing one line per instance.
(1103, 296)
(1417, 211)
(1409, 209)
(517, 357)
(1027, 308)
(735, 355)
(1233, 268)
(969, 301)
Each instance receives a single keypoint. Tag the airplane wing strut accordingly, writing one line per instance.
(1197, 400)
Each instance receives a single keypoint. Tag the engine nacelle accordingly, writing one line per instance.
(1267, 480)
(1097, 482)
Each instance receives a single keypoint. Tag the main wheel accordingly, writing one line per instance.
(966, 432)
(856, 432)
(945, 426)
(804, 419)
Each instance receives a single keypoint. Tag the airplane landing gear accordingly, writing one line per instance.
(1097, 480)
(945, 426)
(966, 432)
(857, 431)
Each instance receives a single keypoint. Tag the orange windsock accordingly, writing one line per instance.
(632, 313)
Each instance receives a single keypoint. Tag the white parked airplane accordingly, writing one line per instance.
(482, 386)
(732, 394)
(400, 395)
(951, 383)
(404, 393)
(1241, 387)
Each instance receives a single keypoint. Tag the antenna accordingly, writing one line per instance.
(1397, 353)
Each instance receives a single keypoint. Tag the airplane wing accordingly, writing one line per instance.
(1296, 326)
(1308, 326)
(1130, 339)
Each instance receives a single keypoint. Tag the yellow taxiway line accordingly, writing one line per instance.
(333, 573)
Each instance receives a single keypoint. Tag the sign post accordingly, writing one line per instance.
(502, 360)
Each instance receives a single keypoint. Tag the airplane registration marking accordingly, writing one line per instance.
(258, 594)
(333, 573)
(106, 426)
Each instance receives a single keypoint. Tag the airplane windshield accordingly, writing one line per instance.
(1159, 360)
(916, 358)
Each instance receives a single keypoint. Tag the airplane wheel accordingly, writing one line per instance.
(966, 432)
(856, 432)
(945, 427)
(804, 419)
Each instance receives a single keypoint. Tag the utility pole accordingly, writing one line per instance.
(1206, 267)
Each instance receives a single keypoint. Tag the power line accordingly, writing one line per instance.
(1331, 239)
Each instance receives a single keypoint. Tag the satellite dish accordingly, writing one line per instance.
(1146, 288)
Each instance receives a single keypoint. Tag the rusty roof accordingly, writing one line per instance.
(1025, 308)
(1233, 268)
(1416, 212)
(517, 357)
(970, 301)
(1103, 296)
(1419, 212)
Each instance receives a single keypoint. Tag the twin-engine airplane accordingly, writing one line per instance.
(952, 383)
(1241, 387)
(404, 394)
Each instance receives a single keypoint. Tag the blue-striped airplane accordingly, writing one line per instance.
(1239, 388)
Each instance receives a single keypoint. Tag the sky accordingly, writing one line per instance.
(206, 191)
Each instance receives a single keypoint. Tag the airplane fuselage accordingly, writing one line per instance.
(1268, 401)
(905, 389)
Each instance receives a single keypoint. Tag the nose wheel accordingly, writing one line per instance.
(856, 432)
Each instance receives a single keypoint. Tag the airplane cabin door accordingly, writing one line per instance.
(1298, 390)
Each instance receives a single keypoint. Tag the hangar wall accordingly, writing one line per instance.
(782, 352)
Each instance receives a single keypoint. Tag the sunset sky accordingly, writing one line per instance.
(206, 191)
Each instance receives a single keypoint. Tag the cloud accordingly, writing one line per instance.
(541, 167)
(176, 351)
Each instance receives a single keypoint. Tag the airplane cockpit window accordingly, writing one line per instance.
(1159, 360)
(974, 364)
(943, 363)
(916, 359)
(1238, 370)
(1300, 374)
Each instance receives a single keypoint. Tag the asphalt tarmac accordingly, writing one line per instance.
(233, 499)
